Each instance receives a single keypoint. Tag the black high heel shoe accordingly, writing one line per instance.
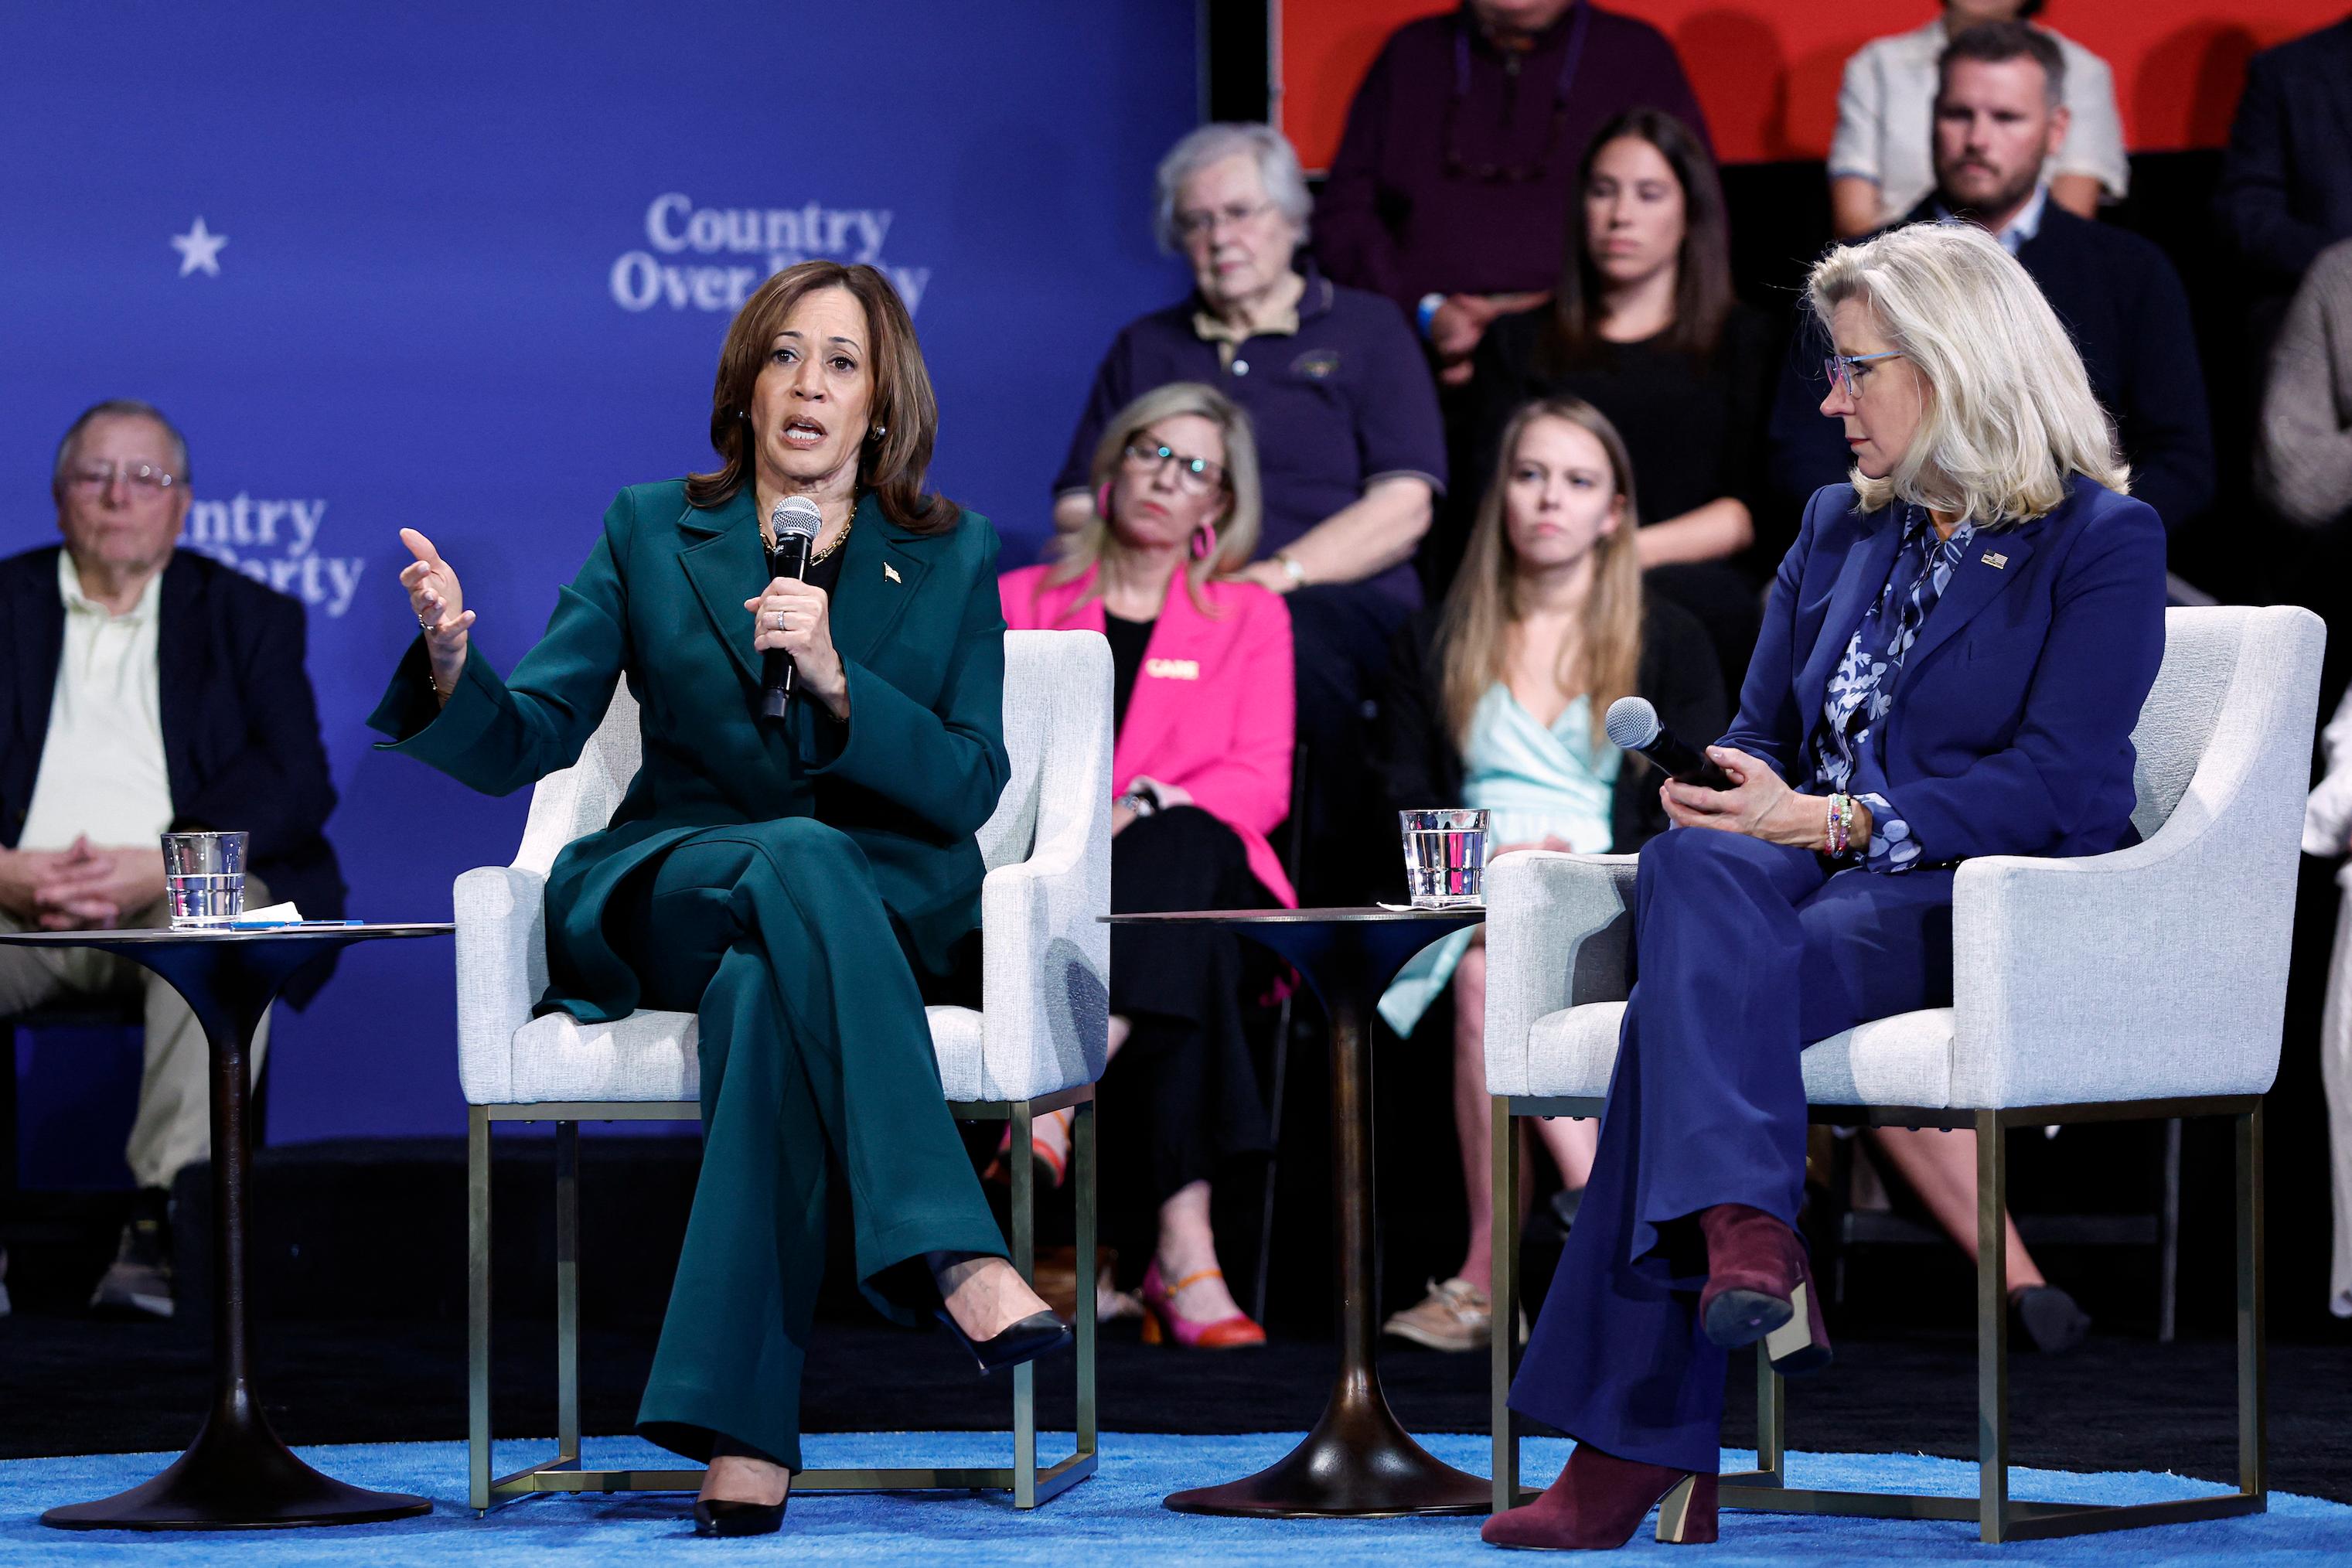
(731, 1516)
(727, 1516)
(1039, 1333)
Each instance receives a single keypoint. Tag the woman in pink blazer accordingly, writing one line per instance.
(1201, 702)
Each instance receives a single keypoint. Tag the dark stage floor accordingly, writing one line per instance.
(70, 1384)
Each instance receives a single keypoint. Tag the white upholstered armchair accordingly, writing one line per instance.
(1037, 1044)
(2146, 983)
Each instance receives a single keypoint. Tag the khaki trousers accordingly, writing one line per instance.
(173, 1127)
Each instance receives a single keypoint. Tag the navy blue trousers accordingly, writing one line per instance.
(1745, 952)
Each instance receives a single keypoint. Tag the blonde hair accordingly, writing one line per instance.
(1083, 549)
(1483, 609)
(2010, 416)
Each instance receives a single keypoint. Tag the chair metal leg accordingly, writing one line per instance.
(1084, 1170)
(1992, 1327)
(2167, 1239)
(563, 1472)
(1997, 1517)
(1503, 1189)
(567, 1288)
(477, 1308)
(1772, 1423)
(2253, 1369)
(1273, 1161)
(1025, 1258)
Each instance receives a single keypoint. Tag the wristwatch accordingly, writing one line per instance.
(1290, 569)
(1426, 311)
(1142, 801)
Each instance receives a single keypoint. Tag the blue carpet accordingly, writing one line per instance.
(1115, 1515)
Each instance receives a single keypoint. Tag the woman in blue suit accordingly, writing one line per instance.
(1954, 655)
(795, 882)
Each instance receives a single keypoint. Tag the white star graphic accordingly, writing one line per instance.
(199, 250)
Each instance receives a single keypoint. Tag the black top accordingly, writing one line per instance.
(1128, 641)
(1415, 759)
(1693, 425)
(826, 573)
(2124, 303)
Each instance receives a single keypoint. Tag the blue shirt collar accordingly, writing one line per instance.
(2020, 228)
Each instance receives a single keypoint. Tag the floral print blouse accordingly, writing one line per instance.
(1861, 693)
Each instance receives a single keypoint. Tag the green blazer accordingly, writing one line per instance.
(909, 777)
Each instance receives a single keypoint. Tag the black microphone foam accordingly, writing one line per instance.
(795, 525)
(1633, 725)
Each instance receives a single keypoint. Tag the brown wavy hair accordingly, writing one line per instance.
(1483, 610)
(893, 467)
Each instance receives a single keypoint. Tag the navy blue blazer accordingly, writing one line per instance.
(240, 725)
(2286, 180)
(2010, 733)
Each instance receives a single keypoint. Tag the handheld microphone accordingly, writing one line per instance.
(1633, 725)
(794, 524)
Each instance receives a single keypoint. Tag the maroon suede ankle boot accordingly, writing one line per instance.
(1760, 1286)
(1599, 1500)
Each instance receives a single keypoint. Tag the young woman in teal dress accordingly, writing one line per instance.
(1498, 704)
(796, 883)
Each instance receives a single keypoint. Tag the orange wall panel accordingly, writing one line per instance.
(1767, 73)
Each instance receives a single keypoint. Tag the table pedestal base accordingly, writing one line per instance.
(1358, 1463)
(237, 1476)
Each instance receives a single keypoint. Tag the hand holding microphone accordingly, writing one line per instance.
(1722, 788)
(1632, 724)
(791, 619)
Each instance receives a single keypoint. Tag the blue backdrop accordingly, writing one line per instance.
(466, 269)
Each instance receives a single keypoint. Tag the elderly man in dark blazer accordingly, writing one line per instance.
(146, 691)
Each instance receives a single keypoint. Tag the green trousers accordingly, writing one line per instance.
(813, 1043)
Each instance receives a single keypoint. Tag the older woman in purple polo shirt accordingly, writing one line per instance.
(1352, 451)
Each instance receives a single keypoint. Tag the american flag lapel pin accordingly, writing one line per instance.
(1994, 561)
(890, 572)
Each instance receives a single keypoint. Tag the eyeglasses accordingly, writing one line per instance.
(1837, 369)
(143, 477)
(1194, 225)
(1195, 476)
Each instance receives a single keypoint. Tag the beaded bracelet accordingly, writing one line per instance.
(1841, 824)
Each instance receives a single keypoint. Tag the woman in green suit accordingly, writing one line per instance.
(795, 882)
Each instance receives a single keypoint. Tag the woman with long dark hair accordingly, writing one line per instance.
(795, 883)
(1644, 327)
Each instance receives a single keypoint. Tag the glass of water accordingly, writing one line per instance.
(1444, 857)
(204, 878)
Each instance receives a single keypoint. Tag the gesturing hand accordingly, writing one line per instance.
(797, 617)
(440, 604)
(1759, 804)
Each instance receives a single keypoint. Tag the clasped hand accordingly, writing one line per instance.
(1759, 804)
(796, 618)
(84, 886)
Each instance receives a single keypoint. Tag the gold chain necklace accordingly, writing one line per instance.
(838, 541)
